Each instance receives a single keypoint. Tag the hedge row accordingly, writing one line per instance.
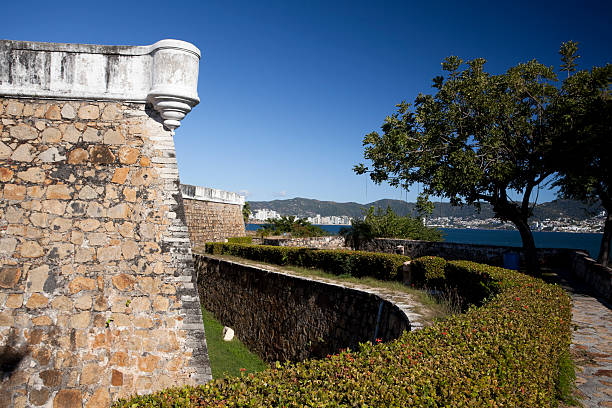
(429, 270)
(505, 353)
(338, 262)
(240, 240)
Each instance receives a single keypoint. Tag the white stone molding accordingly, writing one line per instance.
(164, 74)
(211, 194)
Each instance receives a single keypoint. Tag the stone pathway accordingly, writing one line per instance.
(591, 345)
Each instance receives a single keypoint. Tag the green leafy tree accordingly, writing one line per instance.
(583, 145)
(387, 224)
(358, 234)
(296, 227)
(424, 206)
(480, 137)
(246, 211)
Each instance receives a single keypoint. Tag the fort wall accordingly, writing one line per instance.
(212, 215)
(284, 317)
(97, 291)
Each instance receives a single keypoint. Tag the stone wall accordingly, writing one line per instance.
(284, 317)
(488, 254)
(332, 242)
(212, 215)
(596, 276)
(586, 269)
(97, 295)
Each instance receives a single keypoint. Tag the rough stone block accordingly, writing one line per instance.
(31, 249)
(120, 175)
(6, 174)
(68, 111)
(37, 301)
(106, 254)
(23, 132)
(100, 154)
(37, 278)
(78, 156)
(32, 175)
(23, 153)
(113, 137)
(80, 320)
(81, 283)
(90, 112)
(14, 192)
(59, 191)
(124, 281)
(53, 113)
(99, 399)
(7, 246)
(51, 135)
(68, 398)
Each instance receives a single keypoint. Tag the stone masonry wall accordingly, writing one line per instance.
(284, 317)
(97, 299)
(332, 242)
(211, 221)
(488, 254)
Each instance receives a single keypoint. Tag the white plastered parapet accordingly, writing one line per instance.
(164, 74)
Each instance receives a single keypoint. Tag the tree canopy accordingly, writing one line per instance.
(480, 137)
(387, 224)
(583, 145)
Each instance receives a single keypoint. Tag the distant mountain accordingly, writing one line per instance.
(306, 207)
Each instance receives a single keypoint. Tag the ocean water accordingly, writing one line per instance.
(586, 241)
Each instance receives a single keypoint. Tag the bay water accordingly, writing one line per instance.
(586, 241)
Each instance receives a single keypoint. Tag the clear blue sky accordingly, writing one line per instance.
(288, 88)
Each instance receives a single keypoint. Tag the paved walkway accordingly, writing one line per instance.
(591, 345)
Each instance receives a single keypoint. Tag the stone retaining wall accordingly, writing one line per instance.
(488, 254)
(284, 317)
(583, 267)
(596, 276)
(212, 215)
(97, 295)
(333, 242)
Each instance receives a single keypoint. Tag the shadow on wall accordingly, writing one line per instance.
(11, 355)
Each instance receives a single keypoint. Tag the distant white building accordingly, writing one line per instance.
(331, 220)
(264, 214)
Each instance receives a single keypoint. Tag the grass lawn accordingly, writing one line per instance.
(227, 358)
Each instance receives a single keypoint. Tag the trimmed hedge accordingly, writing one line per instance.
(429, 270)
(338, 262)
(506, 353)
(240, 240)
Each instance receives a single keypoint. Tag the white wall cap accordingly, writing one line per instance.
(211, 195)
(164, 74)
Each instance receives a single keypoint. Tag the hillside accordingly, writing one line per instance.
(306, 207)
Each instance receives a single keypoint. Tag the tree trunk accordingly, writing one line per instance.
(604, 249)
(505, 210)
(531, 254)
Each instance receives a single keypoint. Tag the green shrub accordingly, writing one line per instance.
(429, 270)
(338, 262)
(240, 240)
(474, 281)
(390, 225)
(295, 227)
(505, 353)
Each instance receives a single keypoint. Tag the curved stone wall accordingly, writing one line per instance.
(285, 317)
